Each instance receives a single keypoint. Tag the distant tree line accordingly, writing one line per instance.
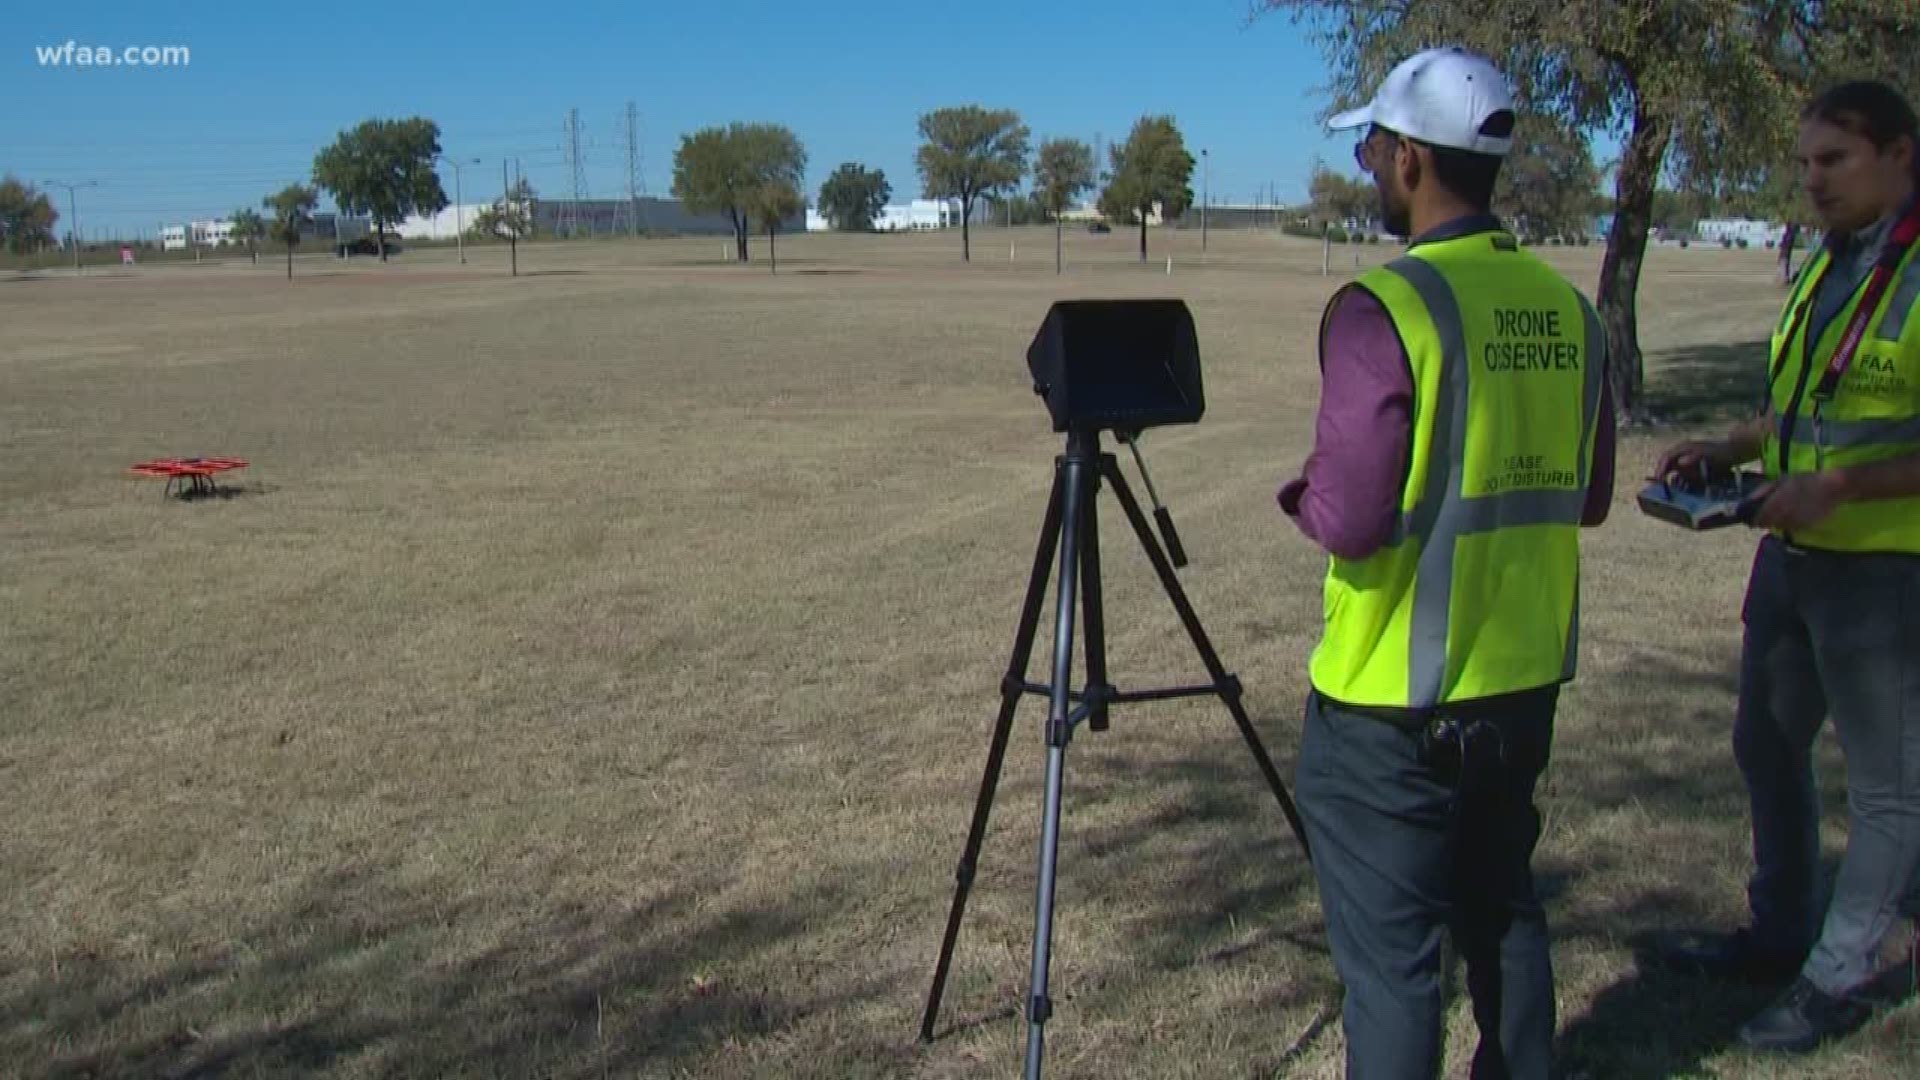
(969, 155)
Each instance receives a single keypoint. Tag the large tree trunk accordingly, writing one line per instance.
(1640, 162)
(380, 237)
(773, 252)
(289, 262)
(1143, 235)
(739, 238)
(966, 240)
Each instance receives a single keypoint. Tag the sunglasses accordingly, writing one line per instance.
(1361, 156)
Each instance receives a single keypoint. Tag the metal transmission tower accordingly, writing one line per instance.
(635, 186)
(571, 220)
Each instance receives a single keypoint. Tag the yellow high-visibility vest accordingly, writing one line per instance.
(1476, 593)
(1874, 412)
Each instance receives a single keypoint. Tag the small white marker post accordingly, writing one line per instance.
(1169, 266)
(1326, 249)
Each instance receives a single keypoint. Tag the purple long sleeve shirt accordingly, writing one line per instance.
(1349, 494)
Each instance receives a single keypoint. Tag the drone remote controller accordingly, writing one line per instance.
(1700, 501)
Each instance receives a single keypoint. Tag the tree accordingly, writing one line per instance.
(854, 196)
(1151, 170)
(1340, 198)
(1063, 172)
(720, 170)
(509, 218)
(384, 169)
(772, 203)
(26, 217)
(248, 228)
(1674, 211)
(1708, 89)
(292, 215)
(1547, 184)
(968, 152)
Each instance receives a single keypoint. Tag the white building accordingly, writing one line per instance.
(916, 216)
(211, 233)
(1756, 233)
(920, 214)
(196, 234)
(444, 225)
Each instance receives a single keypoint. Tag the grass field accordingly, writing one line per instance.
(593, 674)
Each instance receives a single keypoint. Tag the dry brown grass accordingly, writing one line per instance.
(594, 677)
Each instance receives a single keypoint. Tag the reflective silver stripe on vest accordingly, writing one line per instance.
(1852, 434)
(1443, 516)
(1906, 293)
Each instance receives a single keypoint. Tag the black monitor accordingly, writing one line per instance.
(1117, 364)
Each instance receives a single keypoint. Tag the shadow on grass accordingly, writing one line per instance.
(362, 975)
(1654, 1021)
(1192, 856)
(1706, 382)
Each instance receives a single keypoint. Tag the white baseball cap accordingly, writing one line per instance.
(1443, 97)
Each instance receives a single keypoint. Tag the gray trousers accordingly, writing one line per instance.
(1406, 850)
(1837, 635)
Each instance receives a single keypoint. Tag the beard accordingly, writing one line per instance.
(1396, 216)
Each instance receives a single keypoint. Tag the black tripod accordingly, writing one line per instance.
(1072, 526)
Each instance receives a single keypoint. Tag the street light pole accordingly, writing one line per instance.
(459, 228)
(1206, 195)
(73, 227)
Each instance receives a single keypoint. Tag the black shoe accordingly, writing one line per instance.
(1803, 1018)
(1735, 957)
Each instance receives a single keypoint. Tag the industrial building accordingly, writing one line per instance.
(620, 217)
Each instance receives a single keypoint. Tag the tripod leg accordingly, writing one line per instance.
(1010, 693)
(1228, 685)
(1094, 641)
(1080, 474)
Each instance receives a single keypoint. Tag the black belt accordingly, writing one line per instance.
(1413, 721)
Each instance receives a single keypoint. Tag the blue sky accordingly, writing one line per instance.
(265, 90)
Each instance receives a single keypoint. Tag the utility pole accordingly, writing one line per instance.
(73, 212)
(1206, 196)
(507, 209)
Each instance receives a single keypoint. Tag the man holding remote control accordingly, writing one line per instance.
(1832, 610)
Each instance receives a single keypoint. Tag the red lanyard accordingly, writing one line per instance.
(1905, 232)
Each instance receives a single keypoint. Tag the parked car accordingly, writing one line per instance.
(1099, 227)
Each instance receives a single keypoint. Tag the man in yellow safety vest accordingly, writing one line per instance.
(1832, 610)
(1464, 437)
